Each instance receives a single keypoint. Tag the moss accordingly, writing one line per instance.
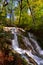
(7, 35)
(24, 62)
(21, 43)
(18, 60)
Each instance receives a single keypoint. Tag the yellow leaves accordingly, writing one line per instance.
(1, 26)
(37, 3)
(3, 13)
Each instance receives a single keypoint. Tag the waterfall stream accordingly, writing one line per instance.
(35, 52)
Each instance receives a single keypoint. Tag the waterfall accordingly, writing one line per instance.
(29, 43)
(15, 44)
(35, 44)
(31, 37)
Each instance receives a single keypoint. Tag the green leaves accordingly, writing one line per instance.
(19, 12)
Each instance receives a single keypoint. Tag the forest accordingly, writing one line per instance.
(21, 32)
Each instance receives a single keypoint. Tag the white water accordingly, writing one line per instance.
(15, 46)
(38, 48)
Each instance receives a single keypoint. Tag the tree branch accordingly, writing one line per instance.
(31, 11)
(20, 10)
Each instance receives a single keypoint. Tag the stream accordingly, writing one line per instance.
(33, 50)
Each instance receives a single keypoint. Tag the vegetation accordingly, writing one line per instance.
(26, 14)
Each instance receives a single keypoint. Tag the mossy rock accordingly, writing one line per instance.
(21, 43)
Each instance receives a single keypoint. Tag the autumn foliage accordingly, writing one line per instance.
(4, 58)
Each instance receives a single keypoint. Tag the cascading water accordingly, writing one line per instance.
(29, 42)
(15, 44)
(35, 44)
